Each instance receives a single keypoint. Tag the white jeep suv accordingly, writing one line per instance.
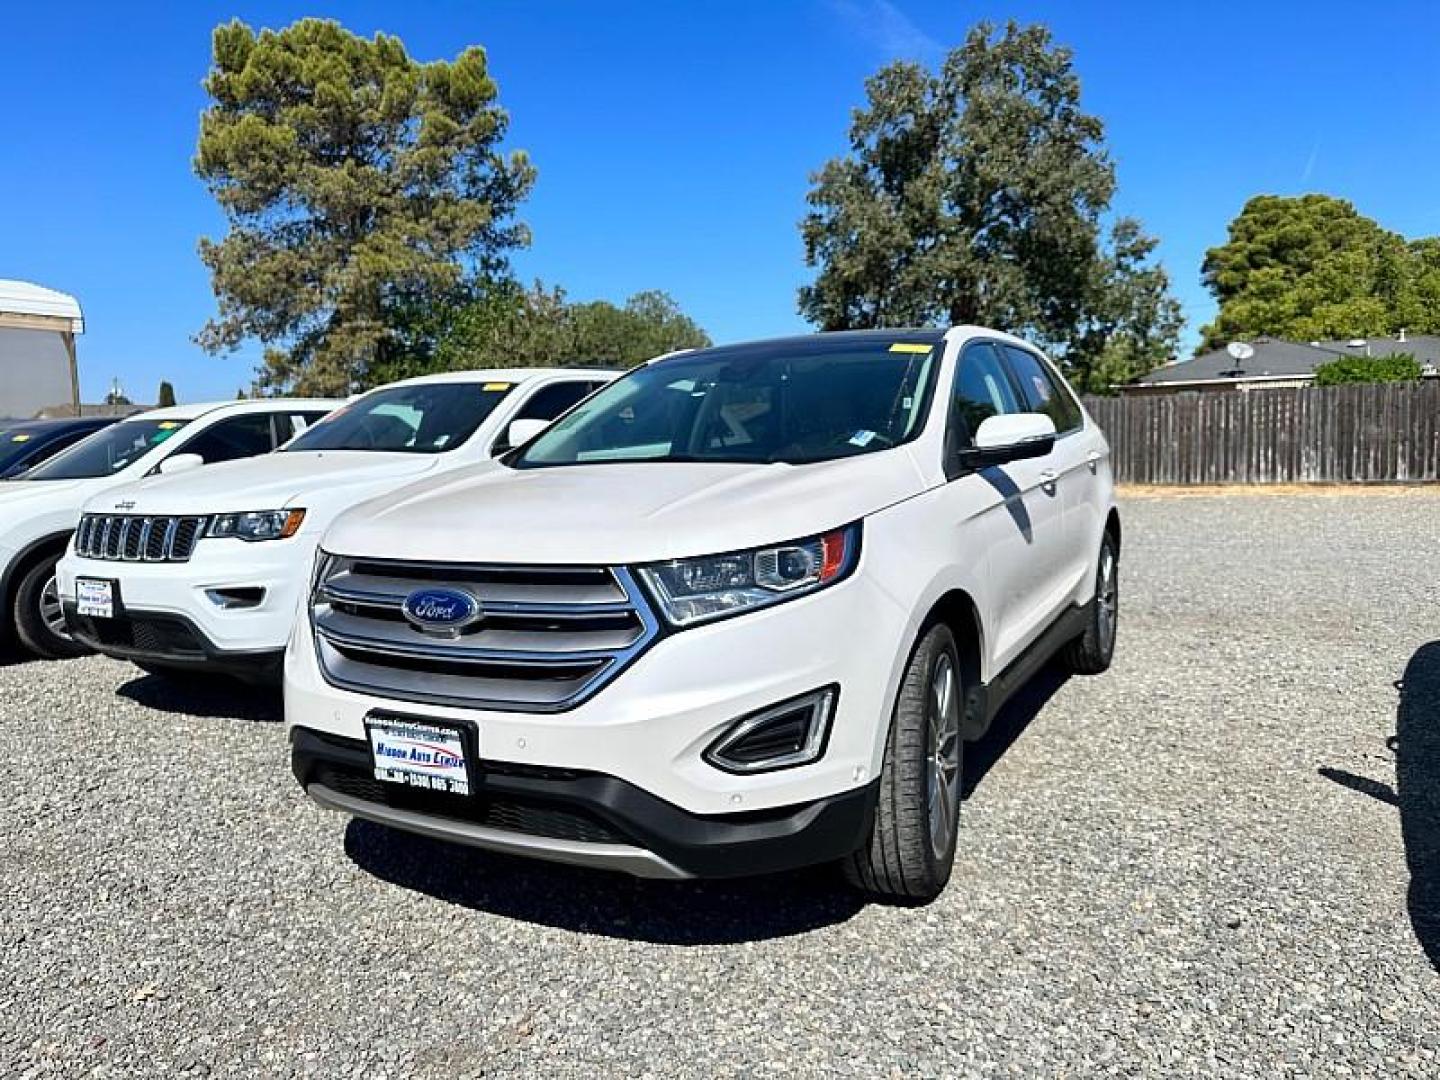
(40, 508)
(736, 612)
(225, 602)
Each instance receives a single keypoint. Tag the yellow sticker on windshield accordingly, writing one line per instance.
(910, 346)
(495, 387)
(19, 438)
(167, 425)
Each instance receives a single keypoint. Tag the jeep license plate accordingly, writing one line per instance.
(95, 598)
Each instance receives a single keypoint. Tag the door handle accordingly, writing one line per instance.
(1048, 479)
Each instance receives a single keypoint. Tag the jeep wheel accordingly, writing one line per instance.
(1092, 651)
(39, 618)
(911, 847)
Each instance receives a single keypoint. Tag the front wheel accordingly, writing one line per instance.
(1092, 651)
(910, 850)
(38, 615)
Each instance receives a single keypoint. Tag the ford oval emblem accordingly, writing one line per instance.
(442, 611)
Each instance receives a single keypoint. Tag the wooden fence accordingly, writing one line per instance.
(1339, 434)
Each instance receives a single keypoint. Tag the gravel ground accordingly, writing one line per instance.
(1220, 859)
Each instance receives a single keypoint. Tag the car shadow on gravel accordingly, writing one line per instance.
(1416, 745)
(211, 697)
(1417, 784)
(614, 905)
(1009, 724)
(662, 912)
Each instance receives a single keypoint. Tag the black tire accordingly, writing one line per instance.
(906, 858)
(1092, 651)
(35, 614)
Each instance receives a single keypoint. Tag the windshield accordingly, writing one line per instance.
(16, 444)
(106, 452)
(805, 400)
(424, 419)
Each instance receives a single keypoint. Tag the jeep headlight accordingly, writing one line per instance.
(257, 524)
(691, 591)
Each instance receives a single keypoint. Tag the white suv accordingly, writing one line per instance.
(224, 601)
(40, 508)
(736, 612)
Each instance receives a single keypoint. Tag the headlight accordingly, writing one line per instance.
(692, 591)
(257, 524)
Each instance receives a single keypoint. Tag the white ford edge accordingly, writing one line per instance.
(737, 612)
(224, 601)
(40, 508)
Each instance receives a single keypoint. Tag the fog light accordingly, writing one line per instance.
(230, 599)
(783, 736)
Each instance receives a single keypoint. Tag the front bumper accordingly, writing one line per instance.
(171, 641)
(185, 594)
(583, 818)
(650, 726)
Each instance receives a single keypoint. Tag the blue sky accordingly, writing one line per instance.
(674, 141)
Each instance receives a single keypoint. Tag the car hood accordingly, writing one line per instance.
(21, 493)
(32, 509)
(271, 482)
(620, 512)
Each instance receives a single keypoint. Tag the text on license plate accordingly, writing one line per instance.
(419, 754)
(95, 598)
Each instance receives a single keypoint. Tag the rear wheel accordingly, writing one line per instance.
(39, 617)
(1092, 651)
(910, 850)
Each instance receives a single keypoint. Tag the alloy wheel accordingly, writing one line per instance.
(943, 763)
(52, 612)
(1108, 597)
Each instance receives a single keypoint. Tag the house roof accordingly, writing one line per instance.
(1424, 347)
(1279, 359)
(21, 298)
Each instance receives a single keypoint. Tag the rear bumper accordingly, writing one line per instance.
(169, 640)
(585, 818)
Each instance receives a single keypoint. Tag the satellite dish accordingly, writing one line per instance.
(1240, 350)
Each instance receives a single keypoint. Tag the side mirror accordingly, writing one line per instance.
(1003, 439)
(522, 431)
(179, 463)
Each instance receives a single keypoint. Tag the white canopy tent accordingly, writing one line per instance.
(37, 348)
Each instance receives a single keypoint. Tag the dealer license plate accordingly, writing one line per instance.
(95, 598)
(418, 753)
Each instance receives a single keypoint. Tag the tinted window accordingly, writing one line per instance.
(550, 401)
(288, 425)
(233, 439)
(982, 390)
(22, 447)
(811, 399)
(1043, 393)
(107, 452)
(546, 404)
(426, 418)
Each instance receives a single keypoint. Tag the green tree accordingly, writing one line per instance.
(357, 185)
(510, 326)
(650, 323)
(977, 195)
(1312, 267)
(1396, 367)
(165, 397)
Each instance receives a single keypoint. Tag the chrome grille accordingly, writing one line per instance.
(132, 538)
(550, 636)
